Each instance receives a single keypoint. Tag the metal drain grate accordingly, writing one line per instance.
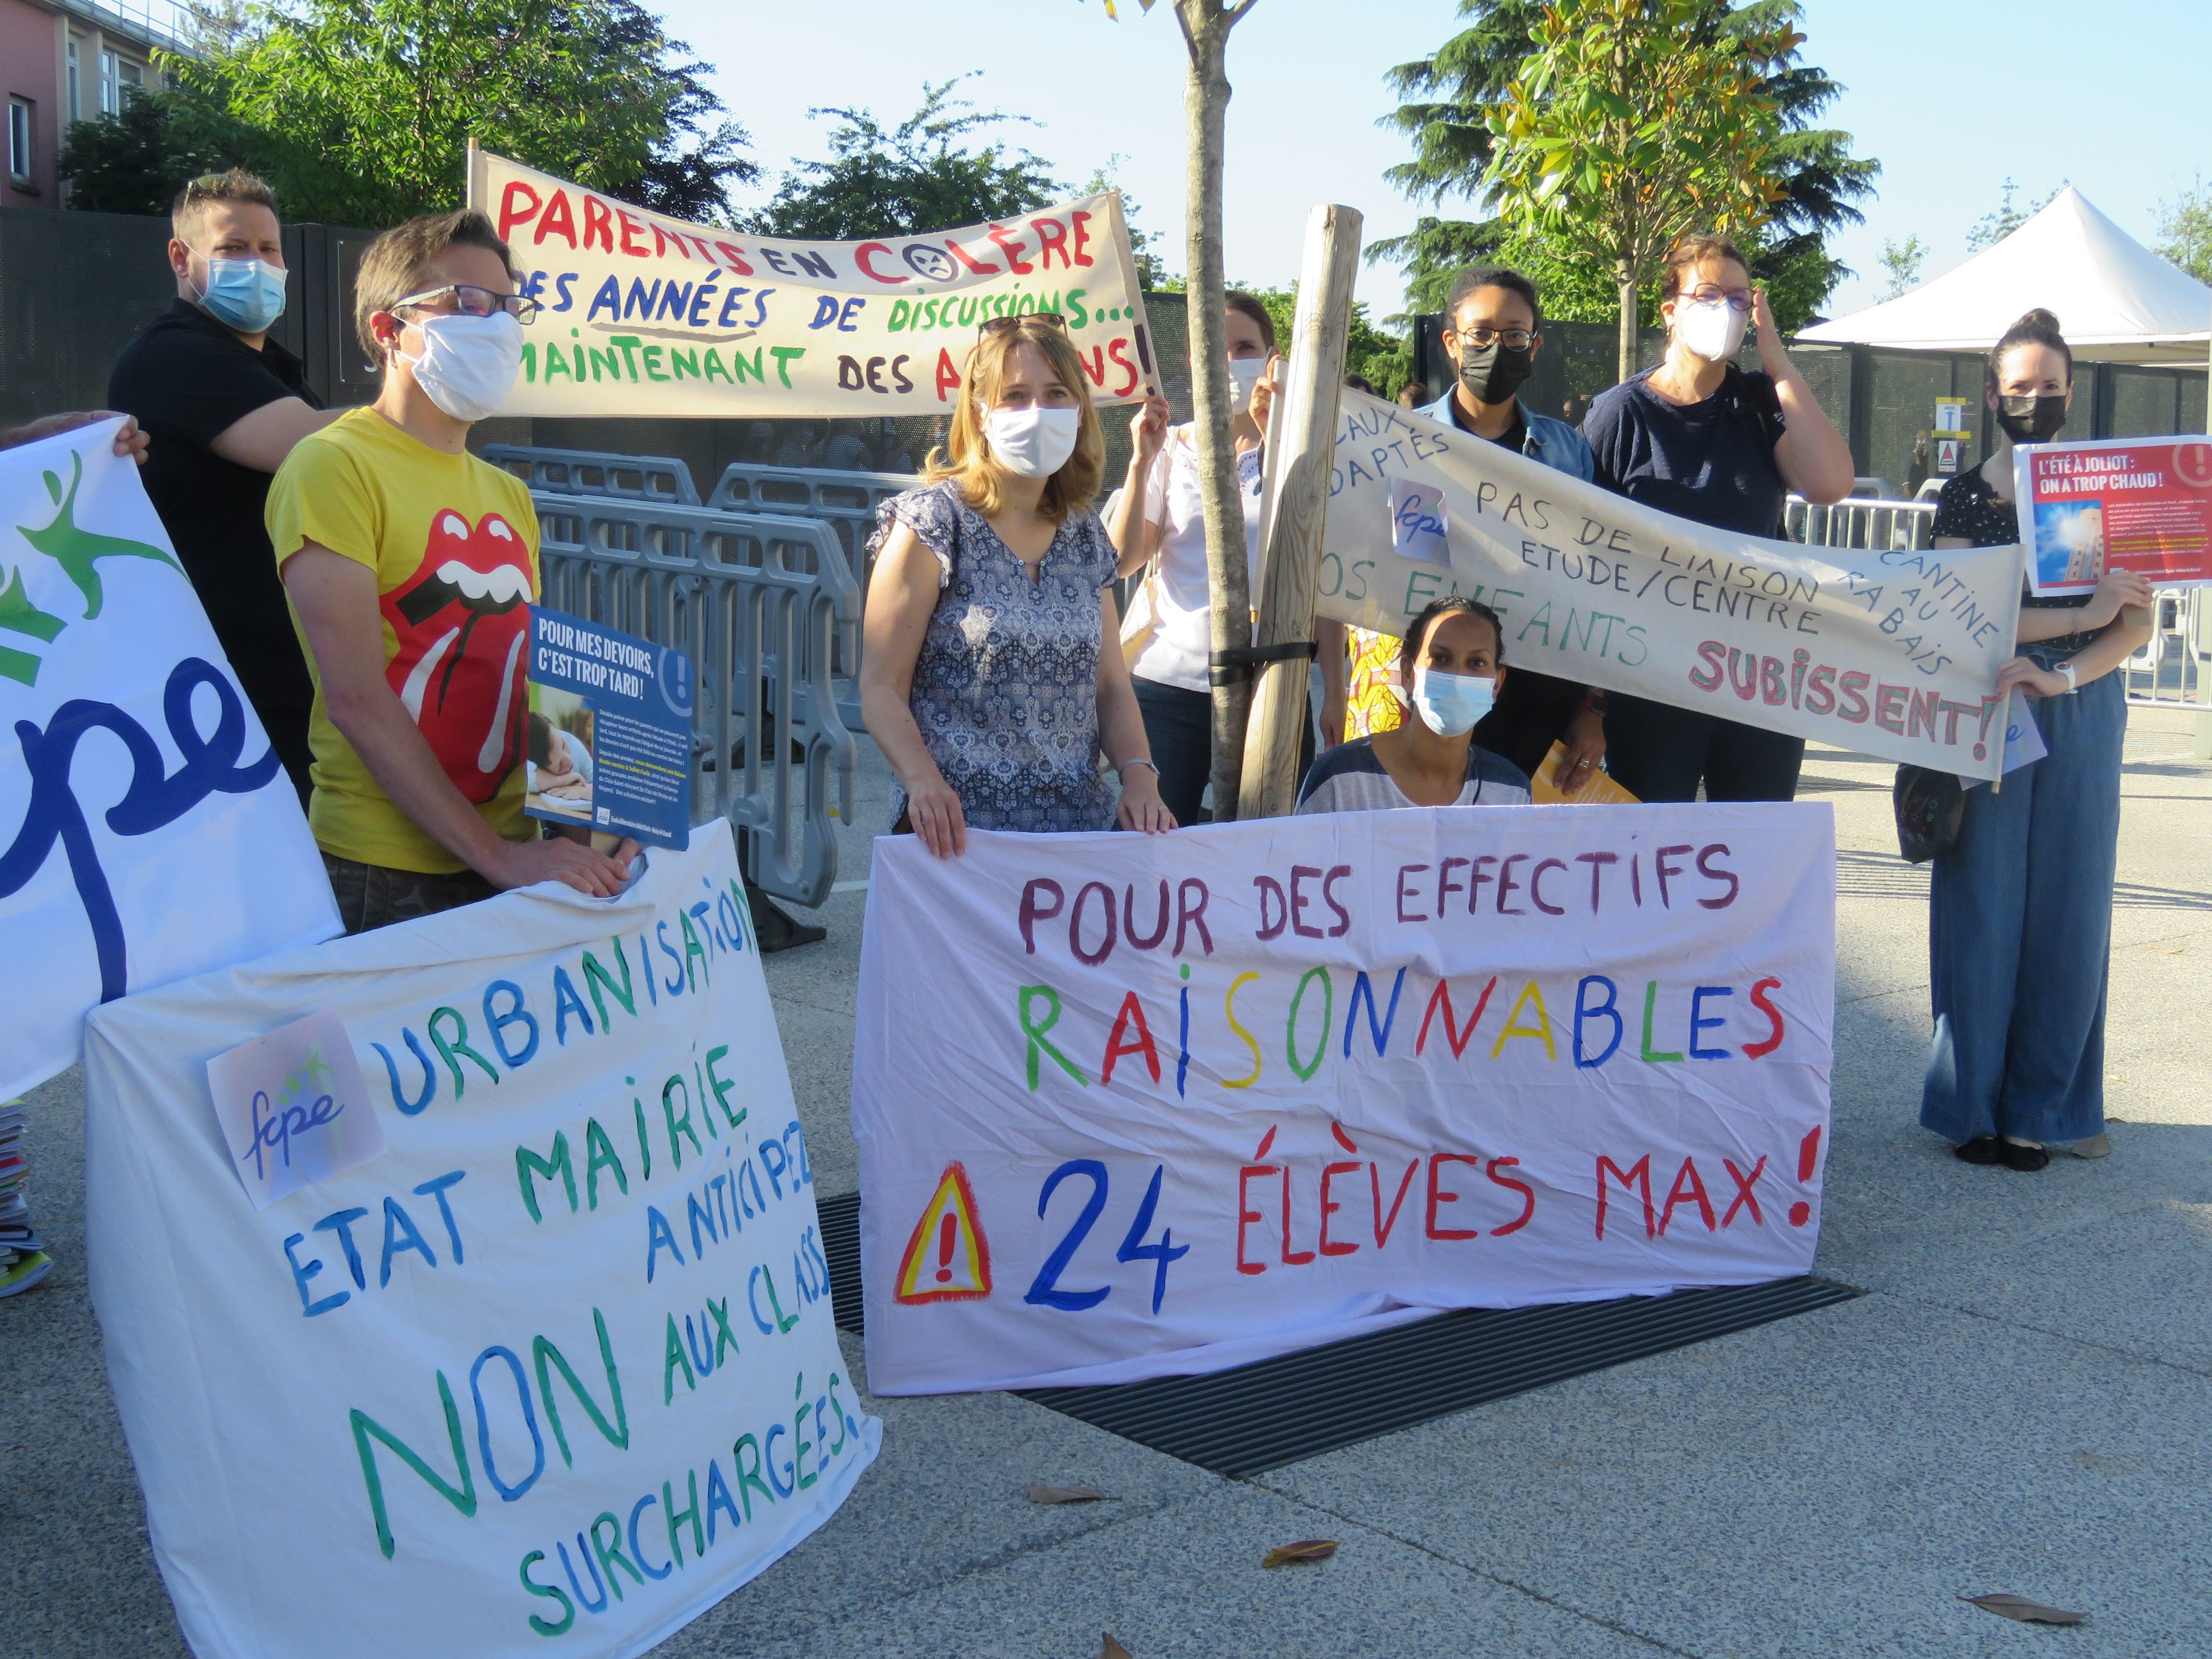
(1297, 1406)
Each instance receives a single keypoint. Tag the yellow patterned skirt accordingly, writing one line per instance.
(1372, 703)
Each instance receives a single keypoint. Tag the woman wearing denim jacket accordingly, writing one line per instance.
(2020, 910)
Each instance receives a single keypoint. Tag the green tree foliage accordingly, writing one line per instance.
(1994, 227)
(1902, 260)
(136, 161)
(915, 177)
(1445, 102)
(1383, 359)
(2184, 230)
(360, 111)
(1633, 122)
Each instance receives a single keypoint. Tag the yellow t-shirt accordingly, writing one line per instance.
(453, 542)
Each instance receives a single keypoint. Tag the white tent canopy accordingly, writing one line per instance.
(2116, 301)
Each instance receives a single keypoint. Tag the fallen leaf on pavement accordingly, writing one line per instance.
(1065, 1495)
(1113, 1650)
(1312, 1549)
(2027, 1612)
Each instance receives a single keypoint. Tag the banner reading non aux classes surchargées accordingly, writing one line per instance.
(646, 315)
(1890, 650)
(1129, 1106)
(554, 1369)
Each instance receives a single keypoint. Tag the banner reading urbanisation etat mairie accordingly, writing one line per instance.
(1890, 650)
(648, 316)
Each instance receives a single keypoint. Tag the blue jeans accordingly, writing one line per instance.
(1179, 727)
(1658, 752)
(2020, 925)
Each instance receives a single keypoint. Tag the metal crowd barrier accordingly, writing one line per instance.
(845, 500)
(2168, 671)
(658, 478)
(765, 605)
(1859, 522)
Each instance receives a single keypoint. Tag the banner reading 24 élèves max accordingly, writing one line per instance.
(1135, 1105)
(1890, 650)
(646, 315)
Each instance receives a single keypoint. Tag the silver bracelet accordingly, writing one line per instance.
(1122, 770)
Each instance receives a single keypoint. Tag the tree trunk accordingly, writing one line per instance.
(1300, 445)
(1624, 275)
(1205, 27)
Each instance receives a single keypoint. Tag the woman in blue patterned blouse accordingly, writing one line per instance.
(992, 673)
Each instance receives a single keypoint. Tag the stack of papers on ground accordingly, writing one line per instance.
(23, 1263)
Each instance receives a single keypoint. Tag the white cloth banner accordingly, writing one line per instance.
(647, 315)
(557, 1361)
(147, 831)
(1887, 650)
(1130, 1105)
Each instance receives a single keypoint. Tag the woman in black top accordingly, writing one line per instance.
(1699, 438)
(2021, 909)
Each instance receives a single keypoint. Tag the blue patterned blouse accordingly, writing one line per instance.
(1006, 690)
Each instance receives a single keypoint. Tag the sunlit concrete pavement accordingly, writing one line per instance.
(2022, 1401)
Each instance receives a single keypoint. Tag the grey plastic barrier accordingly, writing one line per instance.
(2169, 671)
(845, 499)
(763, 604)
(658, 478)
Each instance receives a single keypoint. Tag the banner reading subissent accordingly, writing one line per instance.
(648, 316)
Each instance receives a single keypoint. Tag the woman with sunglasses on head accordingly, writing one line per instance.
(1700, 438)
(2019, 913)
(993, 676)
(1159, 527)
(1452, 665)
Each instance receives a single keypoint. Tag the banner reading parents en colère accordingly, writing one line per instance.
(547, 1365)
(1891, 651)
(1130, 1105)
(647, 315)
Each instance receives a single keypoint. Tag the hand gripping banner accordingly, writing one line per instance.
(1132, 1105)
(1888, 650)
(646, 315)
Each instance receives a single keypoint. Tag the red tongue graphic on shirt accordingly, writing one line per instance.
(463, 622)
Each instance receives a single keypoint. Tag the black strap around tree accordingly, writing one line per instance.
(1228, 667)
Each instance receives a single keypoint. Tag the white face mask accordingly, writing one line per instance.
(468, 364)
(1713, 332)
(1451, 704)
(1244, 373)
(1034, 442)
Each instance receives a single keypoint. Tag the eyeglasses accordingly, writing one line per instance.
(1513, 339)
(1739, 299)
(472, 301)
(1008, 325)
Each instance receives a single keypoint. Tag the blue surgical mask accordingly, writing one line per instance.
(247, 294)
(1451, 705)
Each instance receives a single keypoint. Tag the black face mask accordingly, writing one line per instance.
(1492, 373)
(2031, 420)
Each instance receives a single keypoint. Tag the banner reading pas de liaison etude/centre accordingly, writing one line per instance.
(553, 1370)
(1892, 650)
(646, 315)
(1130, 1106)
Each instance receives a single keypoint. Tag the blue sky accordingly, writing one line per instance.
(1950, 98)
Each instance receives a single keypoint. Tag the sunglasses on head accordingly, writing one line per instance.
(1009, 324)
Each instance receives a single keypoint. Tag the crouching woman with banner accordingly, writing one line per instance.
(993, 674)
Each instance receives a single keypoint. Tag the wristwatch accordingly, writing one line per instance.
(2073, 675)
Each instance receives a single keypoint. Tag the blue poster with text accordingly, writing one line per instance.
(609, 731)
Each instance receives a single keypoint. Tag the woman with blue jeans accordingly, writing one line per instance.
(2020, 911)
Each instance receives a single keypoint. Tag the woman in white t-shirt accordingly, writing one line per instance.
(1163, 518)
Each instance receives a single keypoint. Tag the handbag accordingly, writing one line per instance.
(1929, 807)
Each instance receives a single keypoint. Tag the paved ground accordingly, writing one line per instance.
(2023, 1402)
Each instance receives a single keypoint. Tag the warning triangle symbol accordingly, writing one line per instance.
(948, 1259)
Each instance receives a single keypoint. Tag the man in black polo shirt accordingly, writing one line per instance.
(224, 405)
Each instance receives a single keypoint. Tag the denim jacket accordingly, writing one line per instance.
(1554, 443)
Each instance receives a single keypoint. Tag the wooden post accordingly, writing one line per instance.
(1302, 440)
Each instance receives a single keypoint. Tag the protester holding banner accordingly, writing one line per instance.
(1495, 331)
(991, 677)
(130, 438)
(1452, 668)
(1700, 439)
(410, 565)
(228, 404)
(1160, 528)
(2020, 907)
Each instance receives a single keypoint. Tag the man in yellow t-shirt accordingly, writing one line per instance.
(410, 566)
